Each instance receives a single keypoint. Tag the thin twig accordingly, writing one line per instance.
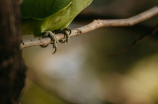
(154, 30)
(96, 24)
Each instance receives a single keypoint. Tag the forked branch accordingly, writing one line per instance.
(96, 24)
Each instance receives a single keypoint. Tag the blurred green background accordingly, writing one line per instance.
(81, 72)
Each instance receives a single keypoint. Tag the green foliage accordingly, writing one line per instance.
(49, 15)
(36, 94)
(42, 8)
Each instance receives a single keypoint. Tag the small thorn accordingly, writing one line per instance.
(55, 50)
(22, 42)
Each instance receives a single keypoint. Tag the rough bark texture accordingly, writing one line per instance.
(12, 67)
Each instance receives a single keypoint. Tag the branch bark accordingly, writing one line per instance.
(12, 68)
(96, 24)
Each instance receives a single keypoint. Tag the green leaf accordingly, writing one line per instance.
(39, 9)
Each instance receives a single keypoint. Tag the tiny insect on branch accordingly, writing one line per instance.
(94, 25)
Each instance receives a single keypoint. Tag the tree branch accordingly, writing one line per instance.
(94, 25)
(153, 32)
(12, 67)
